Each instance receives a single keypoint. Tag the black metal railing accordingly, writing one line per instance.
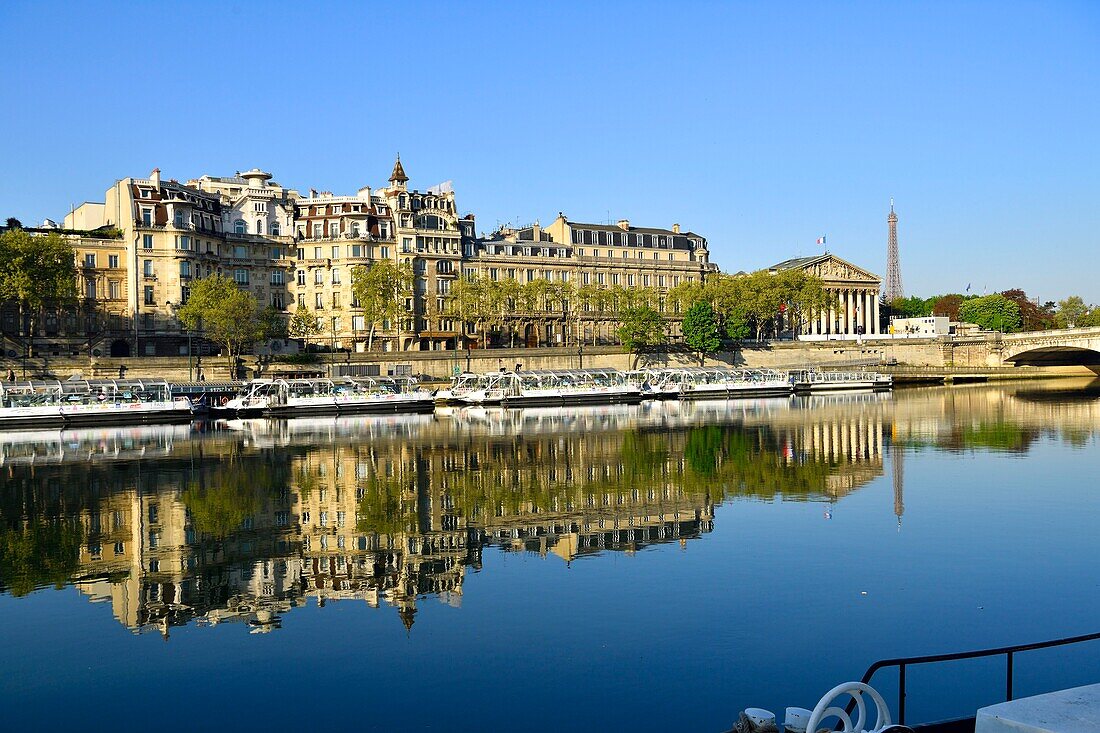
(1008, 651)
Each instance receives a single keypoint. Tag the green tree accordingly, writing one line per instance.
(36, 272)
(303, 324)
(701, 330)
(992, 312)
(469, 303)
(380, 290)
(1072, 312)
(230, 316)
(273, 323)
(911, 307)
(640, 326)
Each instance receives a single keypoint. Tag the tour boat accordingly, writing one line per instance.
(556, 387)
(467, 388)
(75, 403)
(571, 387)
(810, 380)
(293, 397)
(712, 383)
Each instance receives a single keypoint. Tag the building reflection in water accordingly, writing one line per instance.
(243, 521)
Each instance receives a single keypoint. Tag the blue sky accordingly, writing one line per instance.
(759, 125)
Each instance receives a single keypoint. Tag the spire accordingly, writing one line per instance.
(398, 175)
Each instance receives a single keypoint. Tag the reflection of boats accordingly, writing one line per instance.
(83, 402)
(466, 388)
(810, 380)
(294, 397)
(268, 431)
(90, 445)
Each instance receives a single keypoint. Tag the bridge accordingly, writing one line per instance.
(1066, 347)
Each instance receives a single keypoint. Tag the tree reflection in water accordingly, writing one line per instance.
(246, 520)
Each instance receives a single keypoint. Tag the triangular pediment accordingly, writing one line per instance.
(831, 268)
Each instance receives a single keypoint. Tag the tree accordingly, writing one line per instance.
(36, 271)
(911, 307)
(1033, 317)
(273, 323)
(947, 305)
(701, 330)
(640, 326)
(469, 303)
(303, 324)
(380, 290)
(1072, 312)
(230, 316)
(992, 312)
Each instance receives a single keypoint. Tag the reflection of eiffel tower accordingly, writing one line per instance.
(899, 481)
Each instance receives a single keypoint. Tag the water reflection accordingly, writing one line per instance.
(245, 520)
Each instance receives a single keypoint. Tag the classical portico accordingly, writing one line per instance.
(854, 297)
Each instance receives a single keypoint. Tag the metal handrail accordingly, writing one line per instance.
(1009, 651)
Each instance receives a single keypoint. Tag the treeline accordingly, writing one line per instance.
(1009, 311)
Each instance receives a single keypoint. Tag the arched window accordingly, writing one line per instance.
(239, 227)
(275, 228)
(259, 226)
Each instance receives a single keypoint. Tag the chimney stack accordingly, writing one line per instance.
(624, 224)
(675, 228)
(155, 177)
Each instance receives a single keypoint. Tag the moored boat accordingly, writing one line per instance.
(346, 396)
(719, 382)
(811, 380)
(76, 403)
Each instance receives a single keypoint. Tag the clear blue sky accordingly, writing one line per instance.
(760, 125)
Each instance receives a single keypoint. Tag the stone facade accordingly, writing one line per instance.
(855, 293)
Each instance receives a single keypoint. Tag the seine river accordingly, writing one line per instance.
(645, 568)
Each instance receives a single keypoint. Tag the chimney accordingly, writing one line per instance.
(313, 193)
(624, 224)
(675, 228)
(536, 232)
(155, 177)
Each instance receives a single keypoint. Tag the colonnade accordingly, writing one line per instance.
(849, 309)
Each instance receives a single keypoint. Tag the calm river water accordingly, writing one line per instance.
(648, 568)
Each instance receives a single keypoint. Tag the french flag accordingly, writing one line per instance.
(821, 240)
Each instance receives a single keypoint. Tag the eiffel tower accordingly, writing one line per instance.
(894, 288)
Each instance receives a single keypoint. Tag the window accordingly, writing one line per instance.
(335, 253)
(112, 261)
(240, 277)
(275, 231)
(318, 301)
(318, 277)
(335, 276)
(89, 259)
(335, 301)
(184, 243)
(645, 281)
(318, 230)
(239, 227)
(147, 268)
(178, 220)
(185, 269)
(147, 241)
(146, 193)
(149, 295)
(385, 252)
(147, 217)
(276, 277)
(333, 228)
(316, 253)
(89, 288)
(113, 289)
(358, 323)
(259, 226)
(276, 253)
(240, 252)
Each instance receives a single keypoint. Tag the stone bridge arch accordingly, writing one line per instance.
(1071, 347)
